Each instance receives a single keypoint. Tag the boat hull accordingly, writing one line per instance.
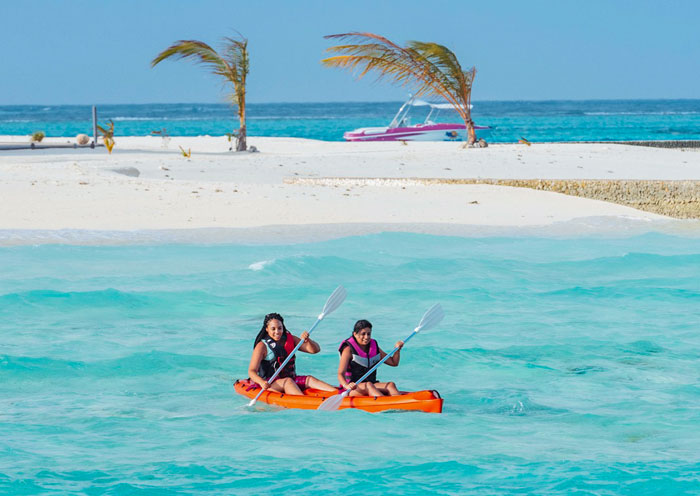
(424, 401)
(432, 132)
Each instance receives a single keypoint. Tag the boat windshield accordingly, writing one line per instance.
(401, 119)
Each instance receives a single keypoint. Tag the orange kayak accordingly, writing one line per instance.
(428, 401)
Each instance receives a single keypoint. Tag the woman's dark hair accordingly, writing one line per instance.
(263, 330)
(361, 324)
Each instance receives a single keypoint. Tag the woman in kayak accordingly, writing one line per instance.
(272, 346)
(358, 354)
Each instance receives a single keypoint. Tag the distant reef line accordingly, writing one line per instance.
(651, 143)
(674, 198)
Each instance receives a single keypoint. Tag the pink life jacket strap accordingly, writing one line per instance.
(373, 348)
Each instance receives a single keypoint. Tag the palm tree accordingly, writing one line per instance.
(107, 135)
(232, 64)
(433, 68)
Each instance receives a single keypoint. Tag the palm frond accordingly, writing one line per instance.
(236, 54)
(107, 132)
(232, 64)
(378, 55)
(201, 53)
(432, 68)
(439, 55)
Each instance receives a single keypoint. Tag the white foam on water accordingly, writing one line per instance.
(260, 265)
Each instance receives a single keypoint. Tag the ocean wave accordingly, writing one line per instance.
(260, 265)
(79, 304)
(310, 266)
(660, 112)
(585, 369)
(38, 365)
(632, 260)
(622, 291)
(129, 118)
(643, 347)
(134, 364)
(293, 118)
(396, 469)
(88, 299)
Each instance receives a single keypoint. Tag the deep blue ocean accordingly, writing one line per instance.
(609, 120)
(568, 367)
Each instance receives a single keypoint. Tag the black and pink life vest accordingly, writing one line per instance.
(276, 354)
(361, 361)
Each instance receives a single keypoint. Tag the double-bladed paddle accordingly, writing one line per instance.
(333, 302)
(431, 318)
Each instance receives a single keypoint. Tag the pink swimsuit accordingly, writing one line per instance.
(301, 381)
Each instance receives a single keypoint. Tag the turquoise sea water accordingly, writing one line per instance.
(568, 366)
(588, 120)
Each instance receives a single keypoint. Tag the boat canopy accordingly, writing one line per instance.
(401, 117)
(439, 106)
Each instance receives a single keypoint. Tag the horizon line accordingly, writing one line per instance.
(353, 101)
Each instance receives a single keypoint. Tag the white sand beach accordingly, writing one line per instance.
(143, 186)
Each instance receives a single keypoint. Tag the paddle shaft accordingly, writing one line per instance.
(289, 357)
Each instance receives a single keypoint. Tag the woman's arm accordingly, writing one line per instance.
(255, 359)
(345, 357)
(393, 361)
(309, 346)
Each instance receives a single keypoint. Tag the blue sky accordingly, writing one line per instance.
(84, 52)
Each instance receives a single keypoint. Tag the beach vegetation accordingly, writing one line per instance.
(37, 136)
(163, 133)
(229, 137)
(107, 135)
(432, 69)
(231, 63)
(186, 153)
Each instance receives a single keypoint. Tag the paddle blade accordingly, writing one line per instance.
(431, 318)
(334, 300)
(331, 404)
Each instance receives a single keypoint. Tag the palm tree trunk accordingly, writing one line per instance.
(241, 145)
(471, 134)
(241, 140)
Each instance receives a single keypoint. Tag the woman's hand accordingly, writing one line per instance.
(265, 385)
(399, 345)
(351, 386)
(307, 345)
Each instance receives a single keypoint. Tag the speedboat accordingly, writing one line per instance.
(400, 128)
